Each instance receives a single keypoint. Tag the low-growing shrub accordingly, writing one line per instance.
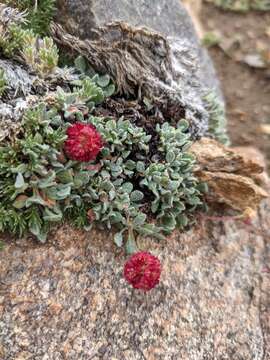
(122, 186)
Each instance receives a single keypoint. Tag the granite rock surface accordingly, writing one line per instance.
(68, 299)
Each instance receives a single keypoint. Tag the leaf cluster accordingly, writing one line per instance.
(175, 189)
(39, 54)
(41, 187)
(29, 187)
(217, 126)
(39, 13)
(11, 40)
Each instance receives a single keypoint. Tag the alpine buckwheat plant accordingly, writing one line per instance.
(69, 164)
(74, 158)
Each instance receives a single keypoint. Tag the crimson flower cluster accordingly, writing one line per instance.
(142, 271)
(83, 142)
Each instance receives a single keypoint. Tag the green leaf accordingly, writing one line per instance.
(170, 156)
(60, 192)
(106, 185)
(136, 196)
(103, 81)
(81, 178)
(105, 152)
(127, 187)
(144, 182)
(169, 222)
(80, 64)
(118, 182)
(155, 205)
(109, 90)
(182, 220)
(148, 103)
(63, 191)
(130, 165)
(125, 154)
(42, 237)
(118, 239)
(131, 246)
(19, 183)
(20, 202)
(35, 199)
(194, 200)
(140, 167)
(183, 124)
(65, 176)
(116, 218)
(150, 230)
(202, 187)
(129, 173)
(47, 182)
(105, 174)
(22, 168)
(35, 229)
(52, 216)
(173, 185)
(139, 219)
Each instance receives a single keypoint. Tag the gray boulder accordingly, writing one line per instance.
(168, 18)
(192, 74)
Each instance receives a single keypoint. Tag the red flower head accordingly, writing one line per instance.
(142, 271)
(83, 142)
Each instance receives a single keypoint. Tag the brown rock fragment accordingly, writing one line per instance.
(253, 155)
(239, 192)
(213, 156)
(231, 174)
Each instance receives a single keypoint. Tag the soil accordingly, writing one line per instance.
(247, 94)
(246, 89)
